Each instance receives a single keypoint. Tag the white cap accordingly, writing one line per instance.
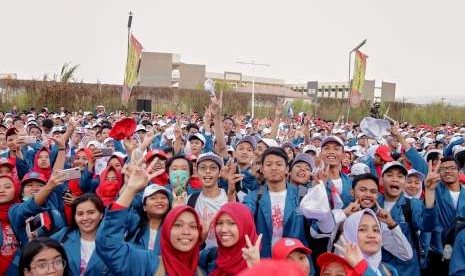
(198, 136)
(152, 189)
(359, 168)
(270, 142)
(107, 140)
(266, 131)
(93, 143)
(161, 123)
(310, 148)
(139, 128)
(169, 133)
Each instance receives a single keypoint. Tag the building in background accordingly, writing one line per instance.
(167, 70)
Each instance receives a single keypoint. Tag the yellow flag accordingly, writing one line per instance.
(132, 65)
(358, 78)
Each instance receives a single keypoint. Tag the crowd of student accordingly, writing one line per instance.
(97, 193)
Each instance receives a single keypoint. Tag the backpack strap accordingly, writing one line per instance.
(407, 211)
(193, 199)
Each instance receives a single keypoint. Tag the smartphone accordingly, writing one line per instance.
(35, 223)
(30, 139)
(73, 173)
(107, 152)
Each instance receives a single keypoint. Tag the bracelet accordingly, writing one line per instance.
(61, 149)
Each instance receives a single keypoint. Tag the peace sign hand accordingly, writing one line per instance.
(251, 253)
(433, 177)
(351, 251)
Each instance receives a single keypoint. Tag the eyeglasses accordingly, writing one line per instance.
(44, 267)
(451, 168)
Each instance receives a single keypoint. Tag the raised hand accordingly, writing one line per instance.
(351, 251)
(433, 177)
(251, 253)
(151, 169)
(138, 179)
(179, 199)
(56, 178)
(352, 208)
(321, 175)
(385, 216)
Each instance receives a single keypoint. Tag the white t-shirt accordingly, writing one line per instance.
(278, 203)
(388, 205)
(152, 238)
(455, 197)
(87, 248)
(338, 184)
(207, 208)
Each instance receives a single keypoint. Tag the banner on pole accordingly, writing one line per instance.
(358, 78)
(132, 65)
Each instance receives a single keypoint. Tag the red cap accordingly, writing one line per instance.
(123, 129)
(6, 162)
(30, 176)
(327, 258)
(274, 267)
(385, 153)
(285, 246)
(155, 153)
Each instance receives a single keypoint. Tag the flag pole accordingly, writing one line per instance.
(127, 55)
(349, 82)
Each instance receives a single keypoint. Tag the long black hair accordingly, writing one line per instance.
(36, 246)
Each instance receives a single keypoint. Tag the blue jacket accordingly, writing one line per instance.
(457, 264)
(119, 256)
(139, 234)
(382, 267)
(71, 241)
(293, 225)
(448, 150)
(446, 214)
(418, 163)
(19, 212)
(423, 219)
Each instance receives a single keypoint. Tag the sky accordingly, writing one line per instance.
(417, 44)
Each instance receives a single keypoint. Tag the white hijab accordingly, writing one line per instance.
(350, 230)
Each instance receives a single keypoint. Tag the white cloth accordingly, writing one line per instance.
(207, 208)
(152, 238)
(388, 205)
(455, 197)
(338, 184)
(278, 203)
(87, 248)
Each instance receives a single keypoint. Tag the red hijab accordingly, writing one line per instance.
(73, 186)
(45, 171)
(4, 207)
(177, 262)
(108, 189)
(230, 260)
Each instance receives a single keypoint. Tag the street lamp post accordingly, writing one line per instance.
(349, 86)
(253, 64)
